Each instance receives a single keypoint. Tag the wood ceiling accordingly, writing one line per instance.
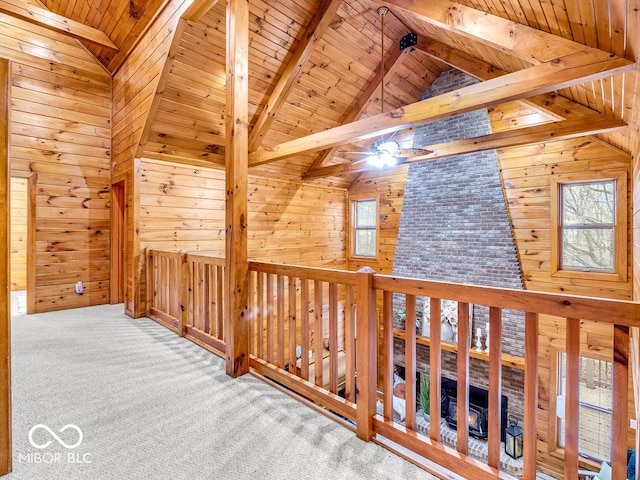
(316, 64)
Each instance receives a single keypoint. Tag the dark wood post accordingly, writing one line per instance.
(366, 353)
(237, 165)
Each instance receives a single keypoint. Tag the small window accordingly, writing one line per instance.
(588, 226)
(589, 237)
(364, 228)
(595, 410)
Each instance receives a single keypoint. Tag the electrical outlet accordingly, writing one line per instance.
(633, 423)
(79, 287)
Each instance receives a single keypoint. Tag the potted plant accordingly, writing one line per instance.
(425, 395)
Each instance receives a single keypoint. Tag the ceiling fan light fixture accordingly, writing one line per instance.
(390, 147)
(376, 161)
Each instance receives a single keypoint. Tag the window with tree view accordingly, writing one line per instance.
(364, 228)
(588, 220)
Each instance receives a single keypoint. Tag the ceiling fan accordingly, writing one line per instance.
(386, 153)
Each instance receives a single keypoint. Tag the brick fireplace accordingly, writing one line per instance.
(455, 227)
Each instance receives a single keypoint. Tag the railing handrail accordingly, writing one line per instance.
(320, 274)
(619, 312)
(205, 259)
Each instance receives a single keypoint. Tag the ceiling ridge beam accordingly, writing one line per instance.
(559, 73)
(527, 43)
(555, 131)
(57, 23)
(485, 71)
(320, 22)
(360, 105)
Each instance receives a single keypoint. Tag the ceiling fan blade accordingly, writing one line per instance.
(413, 152)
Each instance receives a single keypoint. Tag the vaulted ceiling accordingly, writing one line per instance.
(316, 65)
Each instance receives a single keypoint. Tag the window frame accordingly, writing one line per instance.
(620, 228)
(353, 200)
(557, 428)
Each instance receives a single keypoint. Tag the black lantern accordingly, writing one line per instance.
(513, 440)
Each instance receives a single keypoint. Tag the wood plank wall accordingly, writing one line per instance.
(61, 108)
(182, 208)
(389, 189)
(18, 234)
(134, 88)
(526, 174)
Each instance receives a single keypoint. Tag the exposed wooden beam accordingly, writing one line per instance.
(314, 31)
(527, 43)
(549, 132)
(360, 104)
(198, 9)
(5, 282)
(559, 73)
(52, 21)
(236, 327)
(194, 12)
(485, 71)
(162, 82)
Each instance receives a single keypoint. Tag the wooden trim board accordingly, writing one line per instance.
(5, 310)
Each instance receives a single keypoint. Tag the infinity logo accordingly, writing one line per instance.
(56, 437)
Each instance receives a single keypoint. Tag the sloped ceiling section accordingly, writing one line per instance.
(319, 64)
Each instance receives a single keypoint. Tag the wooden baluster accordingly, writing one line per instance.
(148, 262)
(184, 291)
(220, 302)
(292, 325)
(202, 299)
(530, 438)
(572, 399)
(333, 338)
(251, 309)
(270, 320)
(280, 313)
(196, 294)
(462, 395)
(317, 309)
(207, 300)
(304, 334)
(495, 386)
(260, 315)
(191, 300)
(387, 353)
(435, 368)
(161, 279)
(174, 275)
(349, 345)
(620, 406)
(410, 362)
(366, 360)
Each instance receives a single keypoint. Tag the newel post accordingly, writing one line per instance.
(236, 326)
(366, 353)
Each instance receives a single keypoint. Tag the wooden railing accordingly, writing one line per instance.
(574, 310)
(164, 273)
(186, 294)
(303, 333)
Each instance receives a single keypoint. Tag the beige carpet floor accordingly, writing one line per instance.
(151, 405)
